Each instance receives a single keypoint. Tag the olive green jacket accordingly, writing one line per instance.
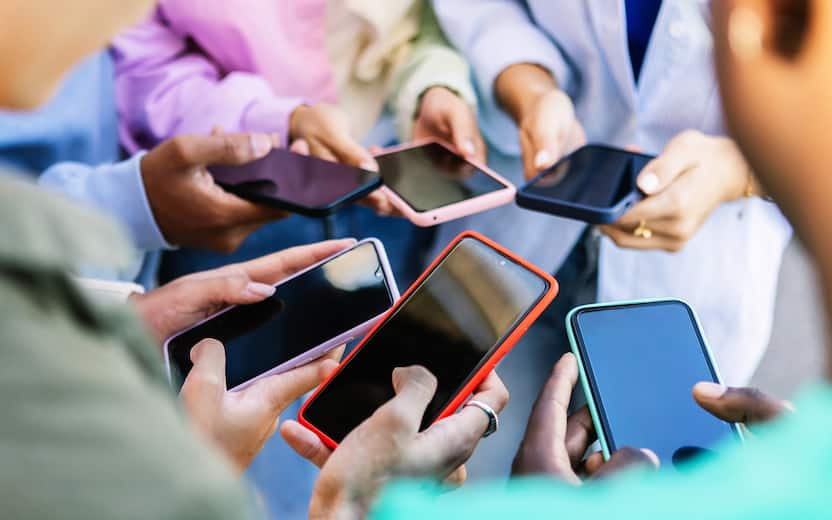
(89, 428)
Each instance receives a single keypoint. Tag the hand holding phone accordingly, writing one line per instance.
(324, 306)
(457, 320)
(297, 183)
(595, 184)
(430, 184)
(639, 362)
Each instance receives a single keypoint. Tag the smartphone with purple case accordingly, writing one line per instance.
(326, 305)
(297, 183)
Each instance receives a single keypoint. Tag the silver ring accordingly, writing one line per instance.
(493, 420)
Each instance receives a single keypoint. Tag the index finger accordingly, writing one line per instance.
(741, 405)
(278, 266)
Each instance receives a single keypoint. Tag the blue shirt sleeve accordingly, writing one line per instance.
(116, 189)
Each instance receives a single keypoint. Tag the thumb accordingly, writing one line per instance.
(464, 131)
(205, 385)
(227, 289)
(677, 157)
(281, 390)
(188, 151)
(626, 458)
(745, 405)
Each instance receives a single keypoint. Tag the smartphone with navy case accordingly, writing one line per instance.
(326, 305)
(595, 184)
(638, 362)
(297, 183)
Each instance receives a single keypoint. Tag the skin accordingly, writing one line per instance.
(188, 206)
(389, 444)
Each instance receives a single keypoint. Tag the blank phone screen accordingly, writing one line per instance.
(287, 177)
(305, 312)
(642, 361)
(450, 324)
(429, 177)
(594, 176)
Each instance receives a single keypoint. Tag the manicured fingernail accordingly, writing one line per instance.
(648, 182)
(542, 159)
(260, 289)
(260, 144)
(369, 164)
(789, 406)
(652, 456)
(468, 147)
(710, 390)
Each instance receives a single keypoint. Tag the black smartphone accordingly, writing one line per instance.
(297, 183)
(639, 362)
(314, 311)
(462, 315)
(595, 184)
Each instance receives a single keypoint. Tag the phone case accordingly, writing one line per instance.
(309, 211)
(590, 399)
(512, 338)
(451, 211)
(571, 210)
(320, 350)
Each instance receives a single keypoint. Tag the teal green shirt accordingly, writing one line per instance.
(785, 472)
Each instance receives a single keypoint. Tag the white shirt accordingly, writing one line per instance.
(728, 270)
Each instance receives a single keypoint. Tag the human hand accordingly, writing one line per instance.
(444, 115)
(739, 405)
(323, 131)
(693, 175)
(389, 444)
(240, 423)
(188, 206)
(549, 130)
(555, 442)
(190, 299)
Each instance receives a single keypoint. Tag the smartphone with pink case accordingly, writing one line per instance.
(326, 305)
(430, 184)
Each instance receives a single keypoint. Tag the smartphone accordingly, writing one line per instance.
(457, 320)
(297, 183)
(312, 312)
(595, 184)
(430, 183)
(638, 364)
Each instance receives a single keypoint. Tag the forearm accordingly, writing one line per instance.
(519, 86)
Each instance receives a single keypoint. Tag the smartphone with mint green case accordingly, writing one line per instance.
(585, 383)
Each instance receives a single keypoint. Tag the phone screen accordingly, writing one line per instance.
(429, 177)
(595, 176)
(304, 313)
(450, 324)
(296, 179)
(642, 361)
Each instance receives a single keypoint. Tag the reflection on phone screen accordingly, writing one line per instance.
(642, 361)
(304, 313)
(594, 176)
(431, 176)
(450, 325)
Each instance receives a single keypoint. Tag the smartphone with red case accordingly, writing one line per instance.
(462, 315)
(429, 183)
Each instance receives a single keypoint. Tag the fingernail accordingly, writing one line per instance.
(789, 406)
(648, 182)
(710, 390)
(652, 456)
(260, 144)
(369, 164)
(468, 147)
(207, 346)
(260, 289)
(542, 159)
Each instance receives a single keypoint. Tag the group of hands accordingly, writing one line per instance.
(693, 175)
(388, 444)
